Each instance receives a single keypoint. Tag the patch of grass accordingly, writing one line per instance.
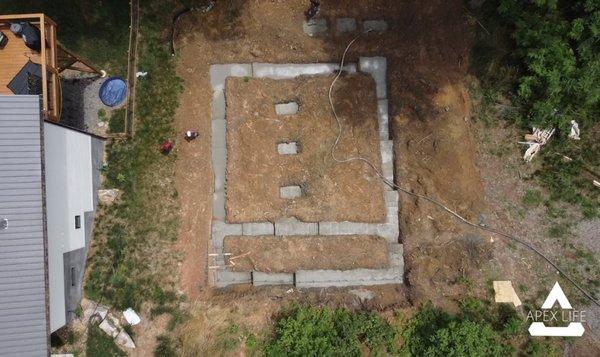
(116, 123)
(532, 198)
(99, 344)
(132, 252)
(102, 115)
(165, 347)
(558, 230)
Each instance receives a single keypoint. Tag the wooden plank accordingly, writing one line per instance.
(44, 74)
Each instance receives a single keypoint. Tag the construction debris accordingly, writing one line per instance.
(109, 196)
(505, 293)
(131, 317)
(574, 134)
(535, 141)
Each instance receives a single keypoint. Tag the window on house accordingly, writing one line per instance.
(77, 222)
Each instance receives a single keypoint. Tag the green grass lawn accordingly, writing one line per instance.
(96, 30)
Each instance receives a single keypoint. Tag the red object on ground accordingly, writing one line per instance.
(166, 146)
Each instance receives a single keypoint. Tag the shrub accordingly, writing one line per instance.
(476, 331)
(310, 331)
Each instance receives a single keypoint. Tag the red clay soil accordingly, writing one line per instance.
(331, 191)
(292, 253)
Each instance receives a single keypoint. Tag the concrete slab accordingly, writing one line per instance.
(291, 227)
(259, 278)
(225, 278)
(383, 119)
(289, 108)
(293, 70)
(315, 27)
(346, 228)
(377, 67)
(290, 148)
(290, 192)
(391, 199)
(387, 160)
(258, 229)
(220, 230)
(219, 72)
(345, 25)
(218, 134)
(375, 25)
(218, 105)
(218, 205)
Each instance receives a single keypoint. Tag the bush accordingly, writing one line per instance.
(543, 56)
(476, 331)
(310, 331)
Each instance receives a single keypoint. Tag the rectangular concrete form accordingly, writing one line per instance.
(289, 108)
(290, 192)
(258, 229)
(292, 70)
(292, 227)
(376, 67)
(259, 278)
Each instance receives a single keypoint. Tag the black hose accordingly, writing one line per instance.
(173, 22)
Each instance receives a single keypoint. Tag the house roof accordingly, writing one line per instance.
(23, 278)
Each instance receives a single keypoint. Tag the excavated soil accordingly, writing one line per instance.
(289, 254)
(331, 191)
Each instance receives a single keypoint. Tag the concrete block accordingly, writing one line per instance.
(259, 278)
(258, 229)
(354, 277)
(225, 278)
(390, 232)
(218, 105)
(293, 70)
(391, 199)
(383, 119)
(220, 177)
(218, 205)
(219, 133)
(291, 227)
(220, 229)
(289, 108)
(376, 67)
(314, 27)
(344, 25)
(387, 159)
(290, 192)
(219, 72)
(290, 148)
(346, 228)
(375, 25)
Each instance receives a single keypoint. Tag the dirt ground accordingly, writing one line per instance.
(292, 253)
(330, 191)
(440, 150)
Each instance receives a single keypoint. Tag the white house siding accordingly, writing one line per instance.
(69, 193)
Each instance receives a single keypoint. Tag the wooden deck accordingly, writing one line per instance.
(13, 57)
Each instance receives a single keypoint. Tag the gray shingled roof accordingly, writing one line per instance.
(23, 316)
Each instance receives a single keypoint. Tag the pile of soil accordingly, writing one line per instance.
(289, 254)
(331, 191)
